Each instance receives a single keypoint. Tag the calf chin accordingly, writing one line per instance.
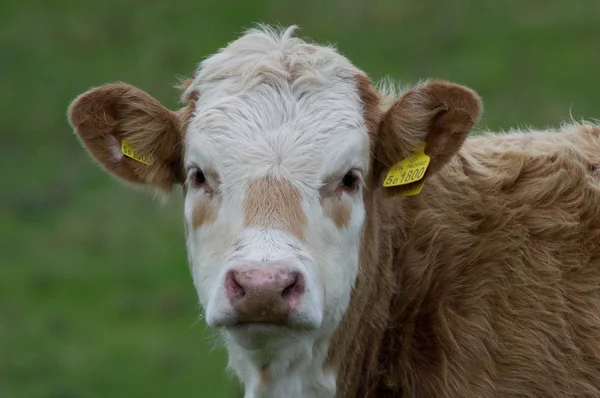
(289, 363)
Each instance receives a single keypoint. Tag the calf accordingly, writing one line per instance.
(347, 241)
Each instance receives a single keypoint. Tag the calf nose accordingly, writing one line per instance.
(266, 293)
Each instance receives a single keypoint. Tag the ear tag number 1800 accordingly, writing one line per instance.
(128, 151)
(408, 170)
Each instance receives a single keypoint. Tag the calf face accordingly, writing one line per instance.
(280, 148)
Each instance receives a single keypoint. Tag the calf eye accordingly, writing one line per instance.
(350, 179)
(197, 177)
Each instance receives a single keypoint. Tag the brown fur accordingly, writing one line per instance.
(371, 99)
(339, 211)
(104, 116)
(275, 203)
(205, 212)
(185, 114)
(265, 377)
(372, 112)
(488, 282)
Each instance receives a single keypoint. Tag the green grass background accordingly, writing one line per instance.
(96, 299)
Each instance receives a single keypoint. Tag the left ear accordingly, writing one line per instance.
(438, 114)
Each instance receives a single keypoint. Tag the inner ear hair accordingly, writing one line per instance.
(457, 109)
(433, 112)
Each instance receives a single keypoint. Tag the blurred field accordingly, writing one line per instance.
(96, 299)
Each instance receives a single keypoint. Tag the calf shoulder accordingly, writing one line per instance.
(499, 280)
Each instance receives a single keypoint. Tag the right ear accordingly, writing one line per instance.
(104, 117)
(436, 114)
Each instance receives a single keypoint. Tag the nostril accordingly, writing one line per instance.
(288, 290)
(291, 286)
(234, 289)
(294, 290)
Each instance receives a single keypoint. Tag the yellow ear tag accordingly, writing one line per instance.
(128, 151)
(408, 170)
(414, 190)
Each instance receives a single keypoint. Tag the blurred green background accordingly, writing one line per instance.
(96, 299)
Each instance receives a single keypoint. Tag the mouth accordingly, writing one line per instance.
(258, 327)
(265, 328)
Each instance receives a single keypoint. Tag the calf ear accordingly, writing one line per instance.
(437, 114)
(130, 134)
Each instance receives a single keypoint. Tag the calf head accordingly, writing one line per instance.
(280, 149)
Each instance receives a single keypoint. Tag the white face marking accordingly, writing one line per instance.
(276, 107)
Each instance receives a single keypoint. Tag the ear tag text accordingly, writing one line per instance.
(409, 170)
(128, 151)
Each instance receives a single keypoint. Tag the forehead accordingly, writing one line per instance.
(269, 100)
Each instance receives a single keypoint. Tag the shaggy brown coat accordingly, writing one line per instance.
(487, 283)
